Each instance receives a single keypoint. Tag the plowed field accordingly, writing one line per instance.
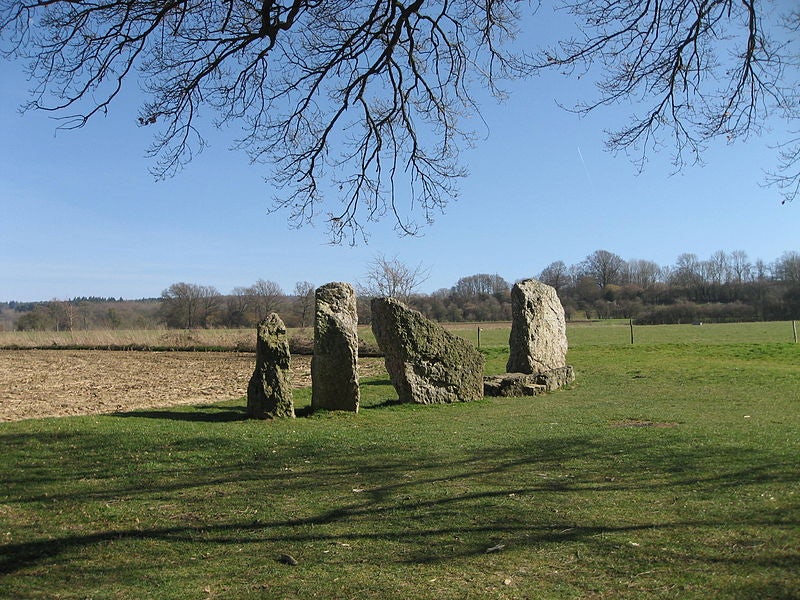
(51, 383)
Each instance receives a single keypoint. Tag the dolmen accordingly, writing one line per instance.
(426, 363)
(537, 344)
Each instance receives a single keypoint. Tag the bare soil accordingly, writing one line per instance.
(53, 383)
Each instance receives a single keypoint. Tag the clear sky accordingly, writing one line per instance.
(81, 216)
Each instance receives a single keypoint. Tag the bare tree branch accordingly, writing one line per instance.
(357, 106)
(362, 97)
(695, 69)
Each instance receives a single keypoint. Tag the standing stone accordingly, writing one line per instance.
(426, 363)
(538, 340)
(269, 393)
(334, 366)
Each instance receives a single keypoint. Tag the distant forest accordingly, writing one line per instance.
(722, 288)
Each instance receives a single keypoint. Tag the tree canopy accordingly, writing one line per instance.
(366, 99)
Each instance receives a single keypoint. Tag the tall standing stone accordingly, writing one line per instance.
(426, 363)
(538, 340)
(334, 366)
(269, 393)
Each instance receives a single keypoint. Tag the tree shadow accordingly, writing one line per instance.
(303, 411)
(376, 383)
(214, 413)
(200, 413)
(407, 498)
(386, 404)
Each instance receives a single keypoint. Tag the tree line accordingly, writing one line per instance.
(181, 306)
(723, 287)
(726, 286)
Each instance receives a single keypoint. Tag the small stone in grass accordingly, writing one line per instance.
(288, 559)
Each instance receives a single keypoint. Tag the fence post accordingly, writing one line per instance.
(631, 321)
(794, 331)
(479, 337)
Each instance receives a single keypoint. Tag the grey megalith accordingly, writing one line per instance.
(537, 344)
(538, 339)
(426, 363)
(334, 366)
(269, 392)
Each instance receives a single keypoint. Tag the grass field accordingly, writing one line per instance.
(610, 331)
(669, 469)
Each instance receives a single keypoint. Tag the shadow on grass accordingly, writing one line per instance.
(402, 496)
(376, 383)
(211, 414)
(200, 414)
(386, 404)
(308, 412)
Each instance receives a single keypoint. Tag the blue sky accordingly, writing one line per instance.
(81, 216)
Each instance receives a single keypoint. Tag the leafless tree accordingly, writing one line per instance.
(556, 275)
(189, 305)
(304, 300)
(787, 267)
(363, 95)
(62, 313)
(761, 269)
(694, 70)
(643, 273)
(604, 267)
(391, 277)
(267, 297)
(239, 307)
(368, 97)
(740, 266)
(719, 267)
(482, 283)
(687, 271)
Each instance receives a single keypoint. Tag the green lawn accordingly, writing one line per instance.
(618, 332)
(668, 470)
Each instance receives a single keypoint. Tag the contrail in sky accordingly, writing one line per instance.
(583, 162)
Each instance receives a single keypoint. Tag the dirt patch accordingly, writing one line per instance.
(54, 383)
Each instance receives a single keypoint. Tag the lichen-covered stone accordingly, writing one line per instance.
(512, 384)
(556, 378)
(538, 340)
(426, 363)
(526, 384)
(334, 366)
(269, 393)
